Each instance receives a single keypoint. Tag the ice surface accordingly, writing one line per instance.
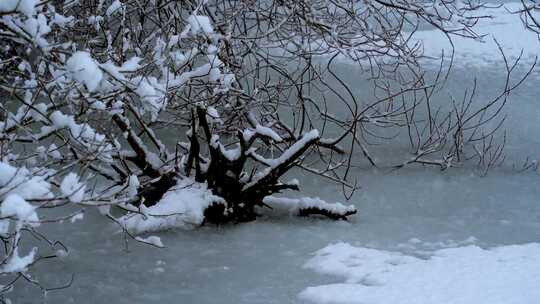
(415, 211)
(504, 28)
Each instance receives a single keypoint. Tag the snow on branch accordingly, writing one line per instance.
(311, 206)
(281, 164)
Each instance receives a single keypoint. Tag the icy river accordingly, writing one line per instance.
(416, 211)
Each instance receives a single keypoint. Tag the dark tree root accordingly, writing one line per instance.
(223, 176)
(325, 212)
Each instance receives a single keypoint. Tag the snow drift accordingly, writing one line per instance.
(463, 275)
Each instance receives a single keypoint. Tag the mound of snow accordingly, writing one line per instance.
(463, 275)
(181, 207)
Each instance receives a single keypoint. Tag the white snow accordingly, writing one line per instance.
(62, 253)
(62, 20)
(153, 240)
(182, 79)
(152, 94)
(248, 134)
(77, 217)
(227, 81)
(181, 207)
(95, 20)
(16, 263)
(214, 75)
(396, 209)
(26, 7)
(131, 65)
(286, 155)
(295, 204)
(200, 24)
(463, 275)
(72, 188)
(268, 132)
(34, 28)
(212, 115)
(116, 6)
(133, 186)
(22, 113)
(85, 70)
(16, 207)
(54, 152)
(83, 133)
(231, 154)
(20, 181)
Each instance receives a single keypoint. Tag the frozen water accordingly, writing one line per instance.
(413, 210)
(261, 262)
(503, 29)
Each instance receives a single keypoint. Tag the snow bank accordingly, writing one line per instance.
(181, 207)
(464, 275)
